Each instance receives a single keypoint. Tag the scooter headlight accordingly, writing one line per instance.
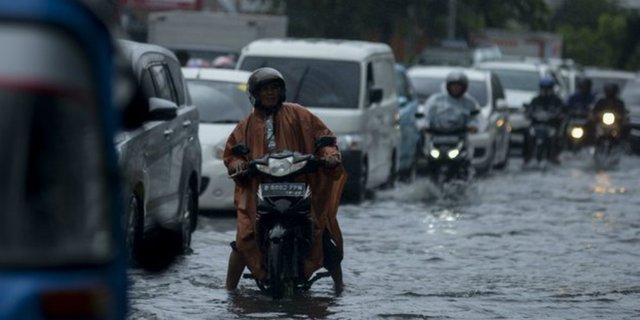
(608, 118)
(435, 153)
(453, 153)
(577, 132)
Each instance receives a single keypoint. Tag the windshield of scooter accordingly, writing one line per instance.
(54, 195)
(444, 118)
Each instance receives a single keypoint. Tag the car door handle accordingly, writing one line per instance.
(186, 123)
(168, 133)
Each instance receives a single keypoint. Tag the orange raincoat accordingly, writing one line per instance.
(296, 129)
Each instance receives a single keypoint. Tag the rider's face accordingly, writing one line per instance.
(270, 95)
(455, 89)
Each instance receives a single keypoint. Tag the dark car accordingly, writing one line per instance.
(161, 160)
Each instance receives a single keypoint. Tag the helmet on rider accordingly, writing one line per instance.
(261, 77)
(610, 90)
(584, 85)
(457, 83)
(546, 84)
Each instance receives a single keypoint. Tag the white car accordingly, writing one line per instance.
(521, 81)
(222, 101)
(490, 145)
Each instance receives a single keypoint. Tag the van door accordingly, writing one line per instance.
(382, 121)
(163, 189)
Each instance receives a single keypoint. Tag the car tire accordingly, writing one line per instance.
(503, 164)
(356, 193)
(134, 232)
(186, 219)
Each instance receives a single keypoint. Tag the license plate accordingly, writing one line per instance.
(445, 139)
(288, 189)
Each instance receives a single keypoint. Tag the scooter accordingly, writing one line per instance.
(542, 133)
(448, 157)
(284, 222)
(608, 135)
(577, 133)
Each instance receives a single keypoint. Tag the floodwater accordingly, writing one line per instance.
(563, 243)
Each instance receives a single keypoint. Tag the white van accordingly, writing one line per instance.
(350, 85)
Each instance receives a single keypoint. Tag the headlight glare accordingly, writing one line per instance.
(453, 153)
(608, 118)
(435, 153)
(577, 132)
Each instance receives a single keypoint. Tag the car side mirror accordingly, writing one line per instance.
(162, 109)
(501, 105)
(375, 95)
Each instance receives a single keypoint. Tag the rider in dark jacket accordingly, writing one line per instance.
(611, 102)
(548, 101)
(579, 105)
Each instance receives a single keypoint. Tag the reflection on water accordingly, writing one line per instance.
(249, 303)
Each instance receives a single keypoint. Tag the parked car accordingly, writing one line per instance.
(161, 160)
(600, 77)
(631, 97)
(222, 100)
(490, 145)
(520, 80)
(411, 142)
(350, 85)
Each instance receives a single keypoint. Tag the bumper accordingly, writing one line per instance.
(218, 194)
(480, 147)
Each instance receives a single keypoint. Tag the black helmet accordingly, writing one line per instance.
(610, 89)
(457, 77)
(259, 78)
(584, 84)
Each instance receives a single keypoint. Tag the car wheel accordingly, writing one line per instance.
(393, 174)
(134, 229)
(186, 219)
(356, 193)
(503, 164)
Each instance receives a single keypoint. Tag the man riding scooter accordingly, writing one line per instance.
(549, 106)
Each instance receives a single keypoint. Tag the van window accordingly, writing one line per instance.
(54, 201)
(315, 82)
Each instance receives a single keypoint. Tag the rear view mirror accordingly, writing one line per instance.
(162, 110)
(375, 95)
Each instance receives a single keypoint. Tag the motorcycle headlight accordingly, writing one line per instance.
(577, 132)
(608, 118)
(435, 153)
(453, 153)
(281, 167)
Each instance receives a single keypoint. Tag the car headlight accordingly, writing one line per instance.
(577, 132)
(350, 141)
(453, 153)
(218, 149)
(608, 118)
(435, 153)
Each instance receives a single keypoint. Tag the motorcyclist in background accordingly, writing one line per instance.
(611, 102)
(456, 85)
(580, 103)
(547, 100)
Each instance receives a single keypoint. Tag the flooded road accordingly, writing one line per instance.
(559, 244)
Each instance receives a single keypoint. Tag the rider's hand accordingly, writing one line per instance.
(330, 161)
(237, 166)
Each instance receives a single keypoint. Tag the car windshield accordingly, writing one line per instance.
(518, 79)
(315, 83)
(426, 86)
(219, 101)
(54, 202)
